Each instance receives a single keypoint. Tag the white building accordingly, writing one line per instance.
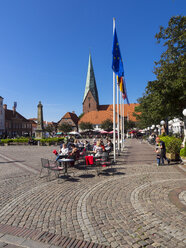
(2, 117)
(176, 126)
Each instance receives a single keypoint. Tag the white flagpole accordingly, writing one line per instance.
(123, 124)
(114, 110)
(118, 117)
(121, 120)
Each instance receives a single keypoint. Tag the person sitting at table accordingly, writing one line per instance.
(74, 154)
(87, 145)
(64, 151)
(109, 146)
(102, 145)
(76, 143)
(98, 150)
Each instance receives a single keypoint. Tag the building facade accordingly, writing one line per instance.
(71, 119)
(15, 124)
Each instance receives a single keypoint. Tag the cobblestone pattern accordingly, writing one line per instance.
(131, 208)
(24, 237)
(182, 197)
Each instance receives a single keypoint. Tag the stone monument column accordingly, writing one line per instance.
(40, 127)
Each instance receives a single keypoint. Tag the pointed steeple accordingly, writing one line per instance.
(91, 82)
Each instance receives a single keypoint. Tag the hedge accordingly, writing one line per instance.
(172, 144)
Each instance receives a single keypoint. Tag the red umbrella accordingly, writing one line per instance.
(113, 131)
(104, 132)
(133, 131)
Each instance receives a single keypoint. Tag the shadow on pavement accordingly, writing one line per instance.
(87, 176)
(14, 161)
(69, 178)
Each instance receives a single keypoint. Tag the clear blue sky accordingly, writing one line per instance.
(45, 44)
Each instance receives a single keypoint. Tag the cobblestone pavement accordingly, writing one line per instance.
(139, 205)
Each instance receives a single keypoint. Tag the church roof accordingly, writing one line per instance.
(91, 82)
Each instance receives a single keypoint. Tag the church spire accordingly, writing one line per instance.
(91, 82)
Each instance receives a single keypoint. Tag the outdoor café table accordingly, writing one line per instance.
(66, 162)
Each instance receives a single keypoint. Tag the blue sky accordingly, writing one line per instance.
(45, 44)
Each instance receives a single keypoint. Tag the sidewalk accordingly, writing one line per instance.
(141, 205)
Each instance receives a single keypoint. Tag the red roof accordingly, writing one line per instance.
(106, 112)
(71, 116)
(96, 117)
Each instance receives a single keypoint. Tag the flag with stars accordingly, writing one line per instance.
(117, 63)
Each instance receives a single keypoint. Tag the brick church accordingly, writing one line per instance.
(93, 111)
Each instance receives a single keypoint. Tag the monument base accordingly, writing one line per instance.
(39, 134)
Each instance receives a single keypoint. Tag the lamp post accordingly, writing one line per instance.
(148, 128)
(158, 129)
(170, 123)
(184, 119)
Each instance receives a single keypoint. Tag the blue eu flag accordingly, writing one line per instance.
(117, 63)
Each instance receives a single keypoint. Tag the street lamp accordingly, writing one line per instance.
(153, 126)
(170, 123)
(184, 119)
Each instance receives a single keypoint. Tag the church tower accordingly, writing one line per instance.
(90, 100)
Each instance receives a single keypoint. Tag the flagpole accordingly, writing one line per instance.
(118, 118)
(114, 110)
(121, 119)
(123, 124)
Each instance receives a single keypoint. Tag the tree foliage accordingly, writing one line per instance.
(65, 127)
(166, 96)
(81, 115)
(129, 125)
(107, 125)
(86, 126)
(49, 128)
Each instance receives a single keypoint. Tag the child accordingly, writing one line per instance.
(158, 152)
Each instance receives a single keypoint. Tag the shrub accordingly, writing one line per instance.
(183, 151)
(6, 141)
(172, 144)
(20, 140)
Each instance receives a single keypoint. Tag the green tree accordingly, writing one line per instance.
(107, 125)
(65, 127)
(128, 125)
(49, 129)
(86, 126)
(166, 96)
(81, 115)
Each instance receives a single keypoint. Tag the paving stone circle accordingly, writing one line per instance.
(131, 207)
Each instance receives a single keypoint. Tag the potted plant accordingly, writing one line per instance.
(173, 146)
(183, 154)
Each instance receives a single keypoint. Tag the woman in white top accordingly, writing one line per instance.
(64, 150)
(98, 150)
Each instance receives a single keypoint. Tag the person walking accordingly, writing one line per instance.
(158, 151)
(162, 147)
